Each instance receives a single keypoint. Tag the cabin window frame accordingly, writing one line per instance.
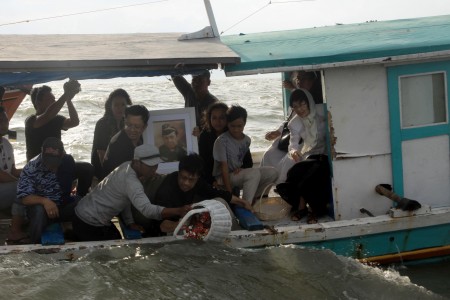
(401, 98)
(399, 133)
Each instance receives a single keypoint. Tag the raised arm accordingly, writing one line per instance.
(73, 119)
(71, 88)
(185, 88)
(287, 84)
(181, 83)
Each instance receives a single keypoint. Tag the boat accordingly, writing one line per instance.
(381, 83)
(385, 95)
(13, 97)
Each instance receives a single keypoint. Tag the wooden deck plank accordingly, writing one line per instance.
(109, 50)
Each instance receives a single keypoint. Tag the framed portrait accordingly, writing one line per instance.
(171, 131)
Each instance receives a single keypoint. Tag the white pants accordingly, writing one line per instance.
(253, 181)
(283, 167)
(273, 155)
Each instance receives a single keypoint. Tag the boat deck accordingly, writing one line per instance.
(268, 225)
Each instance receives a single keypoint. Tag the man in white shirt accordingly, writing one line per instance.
(114, 196)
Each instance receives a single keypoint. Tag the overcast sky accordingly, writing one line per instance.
(232, 16)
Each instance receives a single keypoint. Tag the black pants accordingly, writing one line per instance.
(86, 232)
(84, 172)
(309, 179)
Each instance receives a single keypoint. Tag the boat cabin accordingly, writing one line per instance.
(385, 90)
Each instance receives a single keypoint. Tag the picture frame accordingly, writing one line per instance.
(166, 127)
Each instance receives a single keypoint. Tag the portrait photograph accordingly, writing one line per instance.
(171, 131)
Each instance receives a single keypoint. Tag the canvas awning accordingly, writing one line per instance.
(29, 59)
(333, 46)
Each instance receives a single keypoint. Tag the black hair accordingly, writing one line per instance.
(2, 110)
(108, 103)
(43, 90)
(37, 93)
(236, 112)
(311, 75)
(191, 163)
(138, 110)
(203, 73)
(33, 95)
(298, 96)
(207, 116)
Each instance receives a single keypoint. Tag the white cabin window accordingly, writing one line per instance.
(422, 99)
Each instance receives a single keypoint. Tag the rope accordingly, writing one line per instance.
(82, 13)
(247, 17)
(258, 10)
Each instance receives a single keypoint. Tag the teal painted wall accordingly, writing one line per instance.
(398, 135)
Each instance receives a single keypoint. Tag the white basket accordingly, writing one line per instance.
(220, 220)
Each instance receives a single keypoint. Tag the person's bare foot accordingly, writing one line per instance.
(312, 218)
(299, 214)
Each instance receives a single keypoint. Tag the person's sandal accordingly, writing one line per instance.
(299, 214)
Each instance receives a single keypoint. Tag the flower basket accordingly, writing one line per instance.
(208, 220)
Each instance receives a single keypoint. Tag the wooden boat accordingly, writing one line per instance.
(381, 84)
(385, 94)
(13, 97)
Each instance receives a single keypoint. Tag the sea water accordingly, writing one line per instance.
(199, 270)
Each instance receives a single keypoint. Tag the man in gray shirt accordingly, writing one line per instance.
(114, 196)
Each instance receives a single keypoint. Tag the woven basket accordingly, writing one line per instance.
(220, 220)
(271, 209)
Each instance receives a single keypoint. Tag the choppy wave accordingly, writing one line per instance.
(190, 270)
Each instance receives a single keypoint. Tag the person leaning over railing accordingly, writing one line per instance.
(115, 195)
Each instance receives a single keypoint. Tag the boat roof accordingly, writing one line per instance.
(41, 58)
(334, 46)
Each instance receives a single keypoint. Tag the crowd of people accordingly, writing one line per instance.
(121, 180)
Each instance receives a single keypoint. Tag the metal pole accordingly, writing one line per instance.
(212, 20)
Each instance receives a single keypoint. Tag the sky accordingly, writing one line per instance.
(232, 16)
